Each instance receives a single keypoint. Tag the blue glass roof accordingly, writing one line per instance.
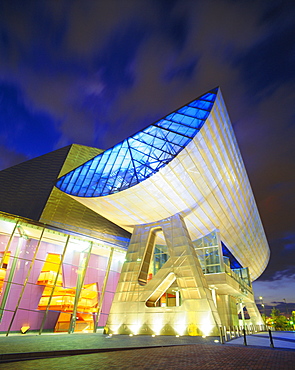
(141, 155)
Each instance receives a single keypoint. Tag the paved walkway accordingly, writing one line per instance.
(281, 339)
(14, 344)
(97, 351)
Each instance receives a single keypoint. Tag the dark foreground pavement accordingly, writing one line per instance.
(120, 352)
(198, 356)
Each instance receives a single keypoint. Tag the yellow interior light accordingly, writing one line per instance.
(24, 329)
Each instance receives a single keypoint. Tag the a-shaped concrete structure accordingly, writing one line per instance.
(135, 307)
(183, 175)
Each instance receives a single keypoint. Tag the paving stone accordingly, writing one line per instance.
(199, 356)
(171, 353)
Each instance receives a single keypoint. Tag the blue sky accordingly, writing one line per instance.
(95, 72)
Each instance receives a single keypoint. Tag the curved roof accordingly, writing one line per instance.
(191, 165)
(141, 155)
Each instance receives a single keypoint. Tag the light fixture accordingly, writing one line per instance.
(24, 329)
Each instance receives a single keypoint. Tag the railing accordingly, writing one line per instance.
(236, 277)
(243, 273)
(228, 333)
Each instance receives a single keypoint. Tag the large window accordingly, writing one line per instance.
(209, 253)
(53, 281)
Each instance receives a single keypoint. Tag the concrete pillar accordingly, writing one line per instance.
(135, 308)
(227, 309)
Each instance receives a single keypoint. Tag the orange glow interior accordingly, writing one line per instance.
(3, 268)
(63, 298)
(50, 271)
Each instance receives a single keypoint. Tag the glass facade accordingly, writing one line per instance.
(54, 281)
(215, 257)
(160, 257)
(171, 297)
(141, 155)
(212, 253)
(209, 253)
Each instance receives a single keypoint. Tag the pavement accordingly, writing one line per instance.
(98, 351)
(281, 339)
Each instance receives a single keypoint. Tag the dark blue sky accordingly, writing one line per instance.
(94, 72)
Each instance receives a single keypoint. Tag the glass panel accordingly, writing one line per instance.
(51, 322)
(201, 104)
(59, 283)
(114, 164)
(6, 319)
(243, 274)
(208, 252)
(160, 257)
(107, 302)
(102, 320)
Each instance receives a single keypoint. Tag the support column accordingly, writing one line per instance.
(135, 310)
(255, 317)
(227, 309)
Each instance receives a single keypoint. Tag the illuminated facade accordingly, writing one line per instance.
(180, 187)
(54, 281)
(60, 262)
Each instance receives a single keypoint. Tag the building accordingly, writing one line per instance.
(178, 190)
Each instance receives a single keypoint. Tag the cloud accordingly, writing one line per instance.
(34, 36)
(268, 63)
(173, 22)
(9, 158)
(282, 262)
(114, 61)
(29, 130)
(282, 287)
(184, 71)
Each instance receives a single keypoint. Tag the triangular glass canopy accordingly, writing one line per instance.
(141, 155)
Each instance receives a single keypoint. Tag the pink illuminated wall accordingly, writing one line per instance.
(19, 303)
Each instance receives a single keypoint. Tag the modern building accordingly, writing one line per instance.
(157, 235)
